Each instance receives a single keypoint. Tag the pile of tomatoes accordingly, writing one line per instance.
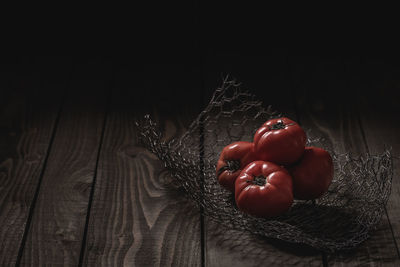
(267, 174)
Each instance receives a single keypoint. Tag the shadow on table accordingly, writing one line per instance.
(262, 249)
(257, 250)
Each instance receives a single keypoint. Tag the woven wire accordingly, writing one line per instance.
(340, 220)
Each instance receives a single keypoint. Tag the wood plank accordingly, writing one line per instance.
(29, 106)
(264, 76)
(57, 227)
(379, 85)
(326, 106)
(138, 216)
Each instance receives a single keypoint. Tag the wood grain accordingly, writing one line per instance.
(57, 227)
(379, 85)
(266, 77)
(29, 106)
(326, 106)
(139, 217)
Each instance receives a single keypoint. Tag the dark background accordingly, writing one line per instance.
(192, 76)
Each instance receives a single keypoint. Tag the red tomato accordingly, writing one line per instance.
(231, 161)
(263, 189)
(313, 174)
(281, 141)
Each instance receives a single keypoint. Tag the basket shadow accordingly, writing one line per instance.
(330, 224)
(260, 250)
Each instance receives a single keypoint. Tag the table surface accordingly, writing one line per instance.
(77, 189)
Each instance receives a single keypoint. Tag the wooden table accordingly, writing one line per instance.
(77, 189)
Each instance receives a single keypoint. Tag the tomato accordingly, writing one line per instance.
(264, 189)
(281, 141)
(313, 174)
(232, 160)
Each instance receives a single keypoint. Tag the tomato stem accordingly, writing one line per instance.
(279, 125)
(258, 180)
(231, 165)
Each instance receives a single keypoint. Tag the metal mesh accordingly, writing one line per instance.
(340, 220)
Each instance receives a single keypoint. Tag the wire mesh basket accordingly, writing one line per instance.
(340, 220)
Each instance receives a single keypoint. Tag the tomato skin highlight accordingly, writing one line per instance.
(273, 198)
(233, 159)
(280, 140)
(312, 174)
